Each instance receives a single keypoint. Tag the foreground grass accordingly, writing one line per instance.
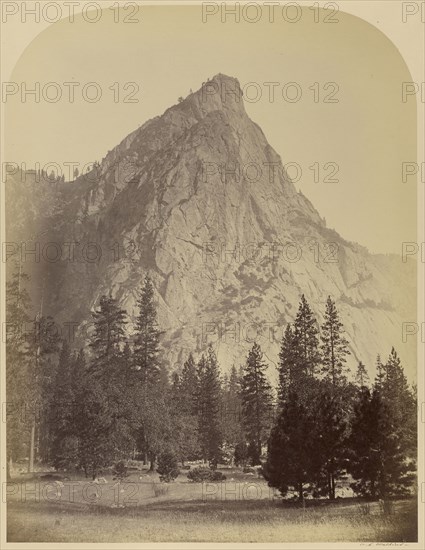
(210, 521)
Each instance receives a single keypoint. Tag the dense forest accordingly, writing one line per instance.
(114, 401)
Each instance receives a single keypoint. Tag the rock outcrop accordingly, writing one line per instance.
(199, 199)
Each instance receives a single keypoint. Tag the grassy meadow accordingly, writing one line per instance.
(241, 509)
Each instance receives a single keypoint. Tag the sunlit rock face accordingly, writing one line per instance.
(200, 200)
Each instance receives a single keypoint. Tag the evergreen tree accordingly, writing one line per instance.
(379, 371)
(400, 401)
(147, 336)
(256, 395)
(362, 377)
(18, 384)
(151, 383)
(363, 443)
(288, 361)
(377, 458)
(209, 405)
(189, 392)
(155, 426)
(68, 419)
(331, 433)
(97, 442)
(78, 420)
(62, 412)
(232, 428)
(43, 349)
(175, 391)
(108, 340)
(334, 345)
(127, 370)
(163, 375)
(184, 421)
(202, 405)
(105, 436)
(108, 374)
(18, 303)
(188, 387)
(305, 343)
(292, 453)
(330, 400)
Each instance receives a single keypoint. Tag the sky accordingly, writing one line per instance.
(337, 118)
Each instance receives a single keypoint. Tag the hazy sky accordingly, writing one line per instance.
(367, 134)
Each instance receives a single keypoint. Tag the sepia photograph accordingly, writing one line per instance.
(212, 287)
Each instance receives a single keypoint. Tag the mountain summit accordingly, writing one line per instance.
(200, 200)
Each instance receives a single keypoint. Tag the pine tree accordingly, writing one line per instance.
(363, 442)
(18, 384)
(108, 340)
(329, 403)
(109, 369)
(188, 386)
(62, 399)
(147, 336)
(78, 421)
(105, 436)
(400, 402)
(18, 302)
(362, 377)
(43, 349)
(175, 393)
(256, 395)
(97, 444)
(189, 410)
(63, 410)
(152, 383)
(209, 405)
(292, 457)
(155, 426)
(232, 428)
(331, 433)
(377, 458)
(305, 342)
(379, 371)
(127, 369)
(183, 417)
(334, 346)
(287, 364)
(202, 405)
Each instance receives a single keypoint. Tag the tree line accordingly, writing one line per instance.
(88, 409)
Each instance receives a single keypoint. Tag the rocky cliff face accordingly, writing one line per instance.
(198, 198)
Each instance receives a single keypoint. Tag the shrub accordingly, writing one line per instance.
(213, 463)
(227, 453)
(241, 454)
(167, 467)
(217, 476)
(200, 474)
(119, 471)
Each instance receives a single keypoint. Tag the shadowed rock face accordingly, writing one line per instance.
(199, 199)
